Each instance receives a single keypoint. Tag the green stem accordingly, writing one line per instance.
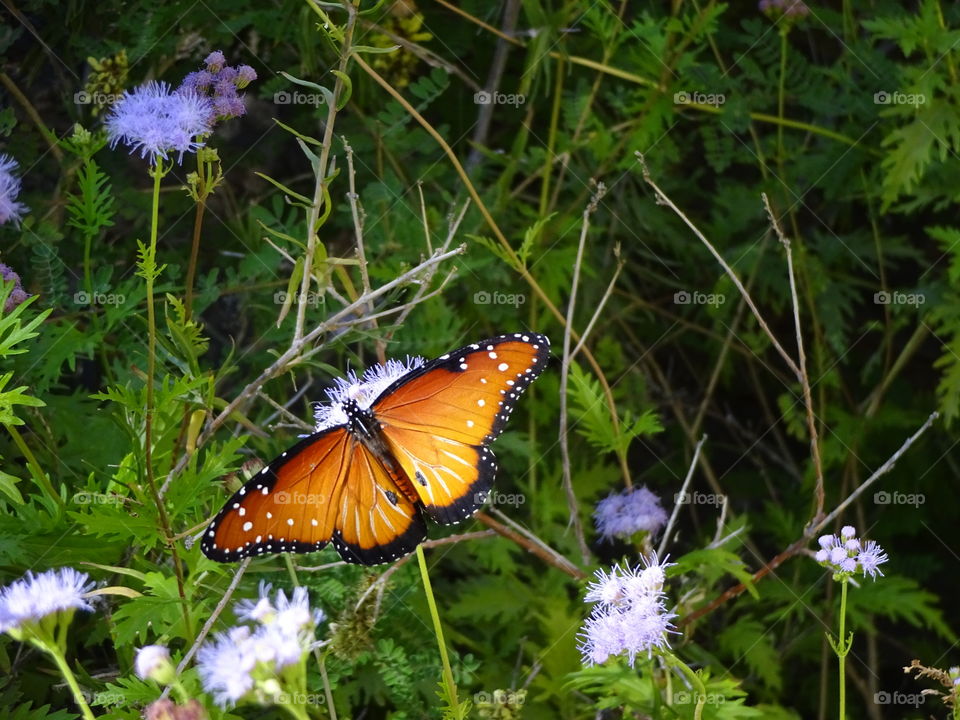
(843, 653)
(150, 272)
(36, 472)
(699, 688)
(438, 631)
(202, 192)
(68, 675)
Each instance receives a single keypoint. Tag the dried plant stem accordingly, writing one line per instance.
(801, 355)
(811, 530)
(208, 625)
(682, 493)
(565, 377)
(530, 542)
(602, 304)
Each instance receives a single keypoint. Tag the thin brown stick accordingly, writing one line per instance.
(528, 541)
(662, 199)
(810, 532)
(801, 355)
(681, 494)
(205, 630)
(572, 505)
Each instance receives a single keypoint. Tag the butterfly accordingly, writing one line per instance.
(404, 441)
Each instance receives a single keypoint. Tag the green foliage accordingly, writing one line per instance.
(725, 102)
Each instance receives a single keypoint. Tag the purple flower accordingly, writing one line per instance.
(630, 615)
(158, 121)
(197, 81)
(244, 658)
(215, 61)
(225, 665)
(35, 597)
(364, 390)
(846, 554)
(245, 75)
(219, 83)
(10, 209)
(17, 295)
(870, 558)
(623, 514)
(152, 661)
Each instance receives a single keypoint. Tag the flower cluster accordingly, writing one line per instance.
(792, 9)
(630, 614)
(158, 121)
(246, 662)
(846, 554)
(10, 209)
(623, 514)
(40, 602)
(363, 390)
(17, 295)
(220, 83)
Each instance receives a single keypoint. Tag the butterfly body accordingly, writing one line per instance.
(412, 439)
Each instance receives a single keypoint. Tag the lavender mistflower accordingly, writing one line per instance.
(17, 295)
(157, 121)
(846, 554)
(870, 558)
(630, 615)
(10, 209)
(363, 390)
(623, 514)
(225, 665)
(245, 75)
(152, 661)
(246, 659)
(215, 61)
(219, 83)
(36, 597)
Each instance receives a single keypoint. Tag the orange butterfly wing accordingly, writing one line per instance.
(289, 506)
(327, 487)
(440, 419)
